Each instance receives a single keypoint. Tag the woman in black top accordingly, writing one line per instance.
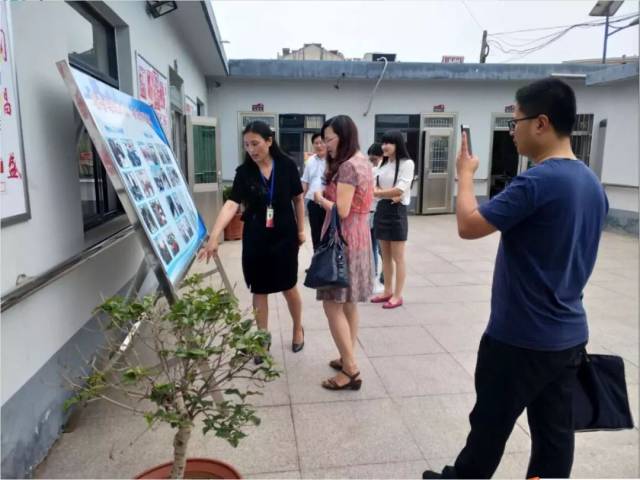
(268, 185)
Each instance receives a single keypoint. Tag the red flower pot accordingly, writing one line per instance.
(196, 468)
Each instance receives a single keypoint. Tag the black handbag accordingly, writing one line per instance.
(600, 400)
(329, 263)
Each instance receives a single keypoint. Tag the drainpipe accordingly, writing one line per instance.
(384, 69)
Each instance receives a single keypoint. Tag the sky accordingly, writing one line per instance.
(419, 30)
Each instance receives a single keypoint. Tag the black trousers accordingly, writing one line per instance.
(316, 219)
(509, 379)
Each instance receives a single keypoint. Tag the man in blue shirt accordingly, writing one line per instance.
(551, 218)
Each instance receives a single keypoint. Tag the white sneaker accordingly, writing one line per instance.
(377, 287)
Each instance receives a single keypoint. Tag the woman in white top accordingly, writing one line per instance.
(312, 183)
(393, 189)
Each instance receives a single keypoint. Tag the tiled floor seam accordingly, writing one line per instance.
(293, 421)
(404, 424)
(465, 370)
(399, 462)
(412, 355)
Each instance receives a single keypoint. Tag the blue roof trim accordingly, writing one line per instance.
(613, 74)
(331, 70)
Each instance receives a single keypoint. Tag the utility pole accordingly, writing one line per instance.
(606, 37)
(607, 8)
(484, 49)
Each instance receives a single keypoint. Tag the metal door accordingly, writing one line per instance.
(205, 176)
(438, 170)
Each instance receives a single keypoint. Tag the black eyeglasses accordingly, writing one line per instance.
(512, 123)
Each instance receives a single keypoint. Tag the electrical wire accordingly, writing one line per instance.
(534, 45)
(472, 15)
(598, 22)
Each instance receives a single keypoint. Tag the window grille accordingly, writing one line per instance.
(439, 150)
(581, 137)
(438, 122)
(502, 122)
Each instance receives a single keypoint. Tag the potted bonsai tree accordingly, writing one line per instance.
(201, 347)
(234, 229)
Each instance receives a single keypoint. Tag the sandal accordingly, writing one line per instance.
(354, 382)
(336, 364)
(381, 298)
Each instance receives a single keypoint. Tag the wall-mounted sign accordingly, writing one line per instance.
(452, 59)
(136, 155)
(153, 88)
(258, 107)
(190, 107)
(438, 108)
(509, 108)
(14, 199)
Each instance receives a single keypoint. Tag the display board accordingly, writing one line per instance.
(14, 200)
(143, 170)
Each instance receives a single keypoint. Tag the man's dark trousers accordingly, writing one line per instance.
(509, 379)
(316, 219)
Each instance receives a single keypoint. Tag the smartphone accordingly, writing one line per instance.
(465, 128)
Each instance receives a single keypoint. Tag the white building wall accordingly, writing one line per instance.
(407, 97)
(473, 102)
(160, 44)
(44, 33)
(618, 104)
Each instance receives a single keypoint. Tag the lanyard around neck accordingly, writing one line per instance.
(270, 187)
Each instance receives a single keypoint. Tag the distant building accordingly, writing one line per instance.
(310, 51)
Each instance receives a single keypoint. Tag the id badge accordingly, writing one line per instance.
(269, 217)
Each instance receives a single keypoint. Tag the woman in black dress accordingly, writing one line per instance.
(268, 185)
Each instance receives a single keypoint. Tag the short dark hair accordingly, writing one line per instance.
(553, 98)
(347, 132)
(314, 136)
(375, 150)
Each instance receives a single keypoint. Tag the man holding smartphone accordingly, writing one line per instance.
(550, 218)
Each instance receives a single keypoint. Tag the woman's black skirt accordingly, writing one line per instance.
(390, 221)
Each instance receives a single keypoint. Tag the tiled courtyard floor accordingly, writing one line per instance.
(416, 362)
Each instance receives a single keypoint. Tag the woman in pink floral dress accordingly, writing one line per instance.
(348, 185)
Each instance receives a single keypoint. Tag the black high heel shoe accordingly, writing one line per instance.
(296, 347)
(258, 359)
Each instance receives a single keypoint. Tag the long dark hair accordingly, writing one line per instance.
(348, 145)
(395, 137)
(264, 130)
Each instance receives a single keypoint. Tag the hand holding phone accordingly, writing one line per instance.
(467, 162)
(465, 129)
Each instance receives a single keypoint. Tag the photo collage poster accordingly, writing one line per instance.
(153, 87)
(137, 151)
(14, 202)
